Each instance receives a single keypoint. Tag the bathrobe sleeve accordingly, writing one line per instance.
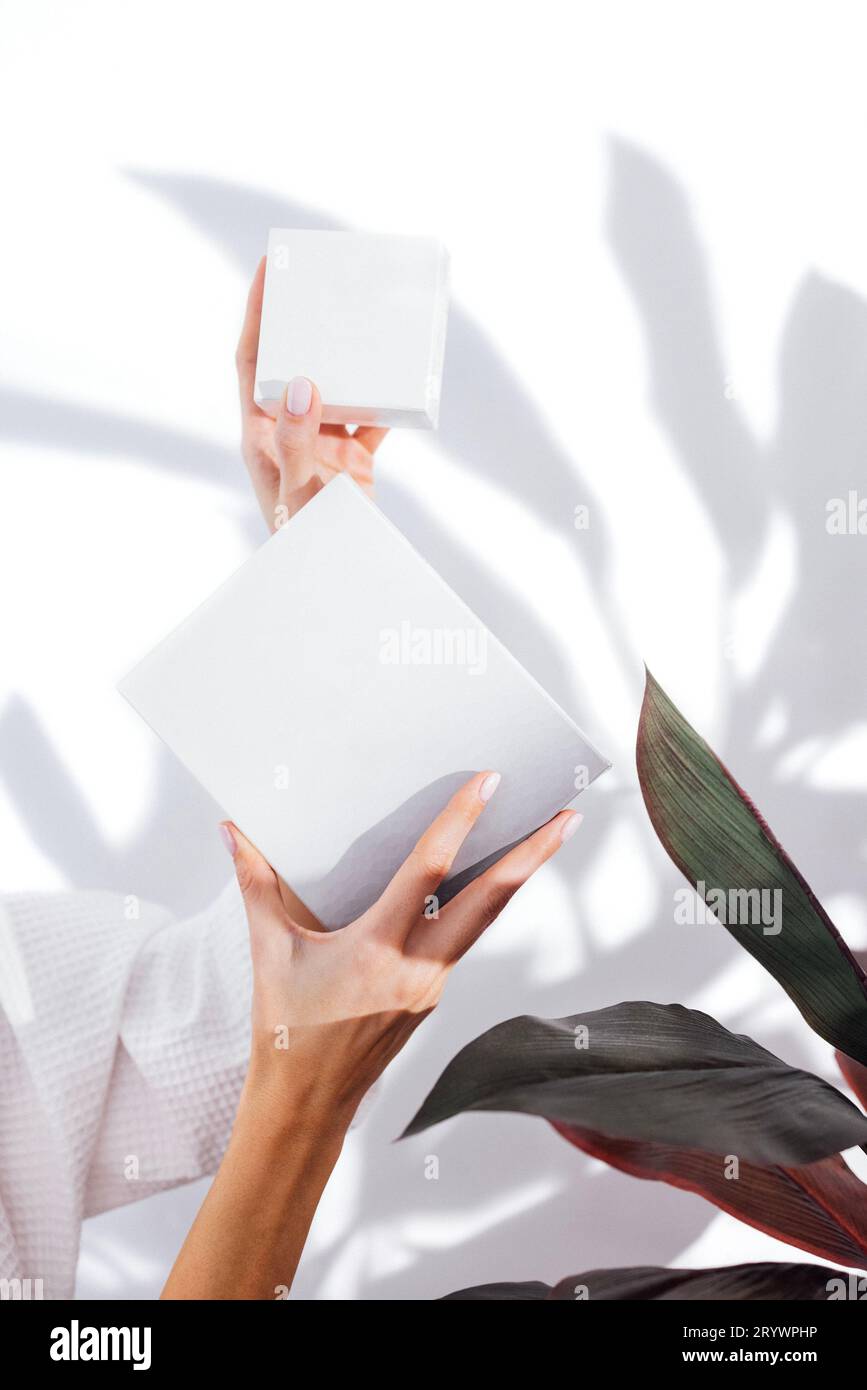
(124, 1038)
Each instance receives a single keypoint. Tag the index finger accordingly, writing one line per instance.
(464, 919)
(248, 343)
(429, 863)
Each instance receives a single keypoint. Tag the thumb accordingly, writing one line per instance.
(256, 879)
(295, 435)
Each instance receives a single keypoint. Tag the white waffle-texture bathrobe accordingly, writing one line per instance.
(124, 1037)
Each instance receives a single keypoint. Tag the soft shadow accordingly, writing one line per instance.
(815, 666)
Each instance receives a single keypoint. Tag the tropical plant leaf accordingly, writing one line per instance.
(856, 1075)
(819, 1207)
(655, 1072)
(753, 1282)
(496, 1293)
(855, 1072)
(716, 837)
(666, 1093)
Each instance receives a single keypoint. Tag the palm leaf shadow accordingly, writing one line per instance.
(815, 663)
(495, 430)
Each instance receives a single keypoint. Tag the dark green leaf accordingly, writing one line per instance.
(855, 1072)
(668, 1094)
(497, 1293)
(655, 1072)
(754, 1282)
(716, 838)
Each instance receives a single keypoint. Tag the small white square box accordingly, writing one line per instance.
(363, 316)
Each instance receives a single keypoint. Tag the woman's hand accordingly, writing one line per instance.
(289, 459)
(330, 1010)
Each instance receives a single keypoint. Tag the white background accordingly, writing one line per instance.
(657, 224)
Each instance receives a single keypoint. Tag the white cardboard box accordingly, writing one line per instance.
(334, 693)
(363, 316)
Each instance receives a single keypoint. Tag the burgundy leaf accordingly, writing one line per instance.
(820, 1207)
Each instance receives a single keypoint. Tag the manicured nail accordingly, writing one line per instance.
(299, 394)
(228, 839)
(570, 826)
(489, 786)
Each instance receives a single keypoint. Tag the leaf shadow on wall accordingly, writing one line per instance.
(814, 665)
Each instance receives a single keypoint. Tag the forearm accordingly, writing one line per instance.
(251, 1229)
(330, 1010)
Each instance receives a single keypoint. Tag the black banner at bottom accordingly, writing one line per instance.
(152, 1338)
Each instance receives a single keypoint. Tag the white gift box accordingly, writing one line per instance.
(335, 692)
(363, 316)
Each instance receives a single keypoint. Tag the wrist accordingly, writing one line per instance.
(290, 1101)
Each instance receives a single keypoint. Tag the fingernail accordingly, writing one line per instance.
(489, 786)
(228, 839)
(570, 826)
(299, 394)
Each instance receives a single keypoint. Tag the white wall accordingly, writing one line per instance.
(657, 221)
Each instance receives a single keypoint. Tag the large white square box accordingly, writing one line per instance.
(335, 692)
(363, 316)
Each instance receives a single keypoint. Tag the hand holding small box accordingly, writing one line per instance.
(291, 455)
